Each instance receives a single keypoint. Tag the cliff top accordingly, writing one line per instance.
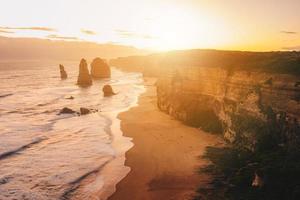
(287, 62)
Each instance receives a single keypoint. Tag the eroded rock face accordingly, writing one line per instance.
(241, 105)
(100, 69)
(84, 77)
(63, 73)
(107, 91)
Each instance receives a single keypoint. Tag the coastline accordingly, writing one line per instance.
(165, 157)
(101, 182)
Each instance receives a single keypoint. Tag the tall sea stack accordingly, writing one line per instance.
(84, 78)
(100, 69)
(63, 73)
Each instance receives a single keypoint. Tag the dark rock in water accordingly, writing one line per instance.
(66, 110)
(84, 111)
(100, 69)
(4, 180)
(63, 73)
(108, 91)
(71, 98)
(84, 78)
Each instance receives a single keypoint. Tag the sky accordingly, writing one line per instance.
(256, 25)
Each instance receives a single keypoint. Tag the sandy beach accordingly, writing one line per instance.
(165, 157)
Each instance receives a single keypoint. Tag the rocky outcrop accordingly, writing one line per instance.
(84, 77)
(63, 73)
(84, 111)
(107, 91)
(100, 69)
(242, 105)
(70, 98)
(67, 110)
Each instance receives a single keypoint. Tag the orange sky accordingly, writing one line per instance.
(259, 25)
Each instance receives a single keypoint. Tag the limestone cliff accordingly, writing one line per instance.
(242, 105)
(243, 95)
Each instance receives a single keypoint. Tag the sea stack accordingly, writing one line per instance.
(63, 73)
(100, 69)
(84, 78)
(107, 91)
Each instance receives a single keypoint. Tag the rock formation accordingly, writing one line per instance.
(100, 69)
(107, 91)
(84, 78)
(84, 111)
(239, 105)
(70, 98)
(63, 73)
(240, 94)
(66, 110)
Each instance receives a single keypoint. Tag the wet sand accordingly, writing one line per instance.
(165, 157)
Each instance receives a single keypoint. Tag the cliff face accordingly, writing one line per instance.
(242, 105)
(246, 96)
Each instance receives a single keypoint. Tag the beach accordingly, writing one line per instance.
(166, 154)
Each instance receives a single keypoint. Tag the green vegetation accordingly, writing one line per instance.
(274, 158)
(234, 171)
(281, 62)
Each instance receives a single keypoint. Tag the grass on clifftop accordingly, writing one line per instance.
(280, 62)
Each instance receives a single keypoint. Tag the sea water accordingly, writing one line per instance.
(44, 155)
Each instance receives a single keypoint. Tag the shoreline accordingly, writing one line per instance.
(165, 157)
(101, 183)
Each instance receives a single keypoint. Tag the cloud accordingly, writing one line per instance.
(292, 48)
(62, 37)
(4, 31)
(130, 34)
(288, 32)
(149, 19)
(29, 28)
(88, 32)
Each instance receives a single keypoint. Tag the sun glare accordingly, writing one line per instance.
(181, 29)
(155, 24)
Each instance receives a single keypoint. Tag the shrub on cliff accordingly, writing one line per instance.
(234, 170)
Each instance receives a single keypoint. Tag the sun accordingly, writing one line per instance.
(181, 29)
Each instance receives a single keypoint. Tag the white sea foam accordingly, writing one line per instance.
(48, 156)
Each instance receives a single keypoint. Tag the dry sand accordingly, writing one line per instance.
(165, 157)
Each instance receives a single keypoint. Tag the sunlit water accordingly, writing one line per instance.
(44, 155)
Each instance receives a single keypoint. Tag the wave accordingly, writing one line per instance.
(22, 148)
(77, 149)
(6, 95)
(74, 185)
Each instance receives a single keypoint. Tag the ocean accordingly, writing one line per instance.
(44, 155)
